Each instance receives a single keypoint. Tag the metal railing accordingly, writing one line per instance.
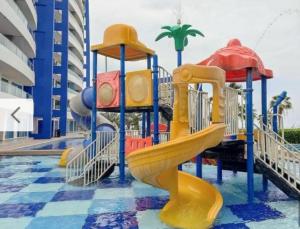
(231, 110)
(199, 110)
(165, 88)
(13, 48)
(103, 161)
(164, 137)
(13, 90)
(279, 156)
(76, 167)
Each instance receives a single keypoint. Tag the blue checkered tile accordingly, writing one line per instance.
(33, 194)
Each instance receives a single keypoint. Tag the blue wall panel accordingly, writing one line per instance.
(43, 66)
(63, 26)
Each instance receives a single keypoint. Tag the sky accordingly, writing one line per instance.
(270, 27)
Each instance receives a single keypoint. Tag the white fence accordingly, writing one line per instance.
(279, 156)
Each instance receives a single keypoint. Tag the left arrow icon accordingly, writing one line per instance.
(13, 114)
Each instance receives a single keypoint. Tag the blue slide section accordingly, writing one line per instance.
(81, 106)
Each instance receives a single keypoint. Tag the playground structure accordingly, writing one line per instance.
(198, 127)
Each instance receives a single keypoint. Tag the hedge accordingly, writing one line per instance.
(292, 135)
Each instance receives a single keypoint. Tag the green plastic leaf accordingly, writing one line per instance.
(162, 35)
(185, 27)
(167, 27)
(193, 32)
(186, 42)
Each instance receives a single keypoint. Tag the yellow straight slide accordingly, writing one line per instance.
(194, 203)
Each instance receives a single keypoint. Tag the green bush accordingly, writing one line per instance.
(292, 135)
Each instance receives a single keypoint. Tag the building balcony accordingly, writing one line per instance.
(29, 12)
(76, 45)
(72, 93)
(76, 63)
(8, 90)
(75, 78)
(15, 24)
(76, 9)
(73, 25)
(14, 63)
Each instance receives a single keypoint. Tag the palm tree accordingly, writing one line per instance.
(284, 106)
(235, 86)
(180, 35)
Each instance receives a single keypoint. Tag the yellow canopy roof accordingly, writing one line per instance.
(118, 34)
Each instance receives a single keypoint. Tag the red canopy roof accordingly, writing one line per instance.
(235, 59)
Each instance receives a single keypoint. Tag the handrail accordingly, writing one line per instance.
(76, 167)
(278, 157)
(13, 90)
(103, 160)
(279, 139)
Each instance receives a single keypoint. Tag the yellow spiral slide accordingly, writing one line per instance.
(194, 203)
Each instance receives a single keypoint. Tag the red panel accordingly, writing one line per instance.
(108, 84)
(235, 59)
(133, 144)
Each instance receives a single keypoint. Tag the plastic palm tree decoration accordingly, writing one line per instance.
(180, 34)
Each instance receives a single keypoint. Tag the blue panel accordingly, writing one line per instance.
(43, 67)
(63, 26)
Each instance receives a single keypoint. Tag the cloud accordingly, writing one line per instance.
(219, 20)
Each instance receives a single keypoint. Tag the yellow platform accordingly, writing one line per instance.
(194, 203)
(118, 34)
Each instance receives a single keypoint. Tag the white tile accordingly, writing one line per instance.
(43, 187)
(113, 193)
(150, 220)
(5, 196)
(15, 223)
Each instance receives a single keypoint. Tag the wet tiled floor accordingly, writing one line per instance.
(33, 194)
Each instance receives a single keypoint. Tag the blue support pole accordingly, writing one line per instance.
(179, 62)
(179, 58)
(155, 100)
(148, 117)
(275, 125)
(87, 44)
(148, 130)
(122, 114)
(199, 157)
(148, 120)
(280, 98)
(219, 171)
(94, 109)
(264, 118)
(143, 125)
(199, 166)
(250, 156)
